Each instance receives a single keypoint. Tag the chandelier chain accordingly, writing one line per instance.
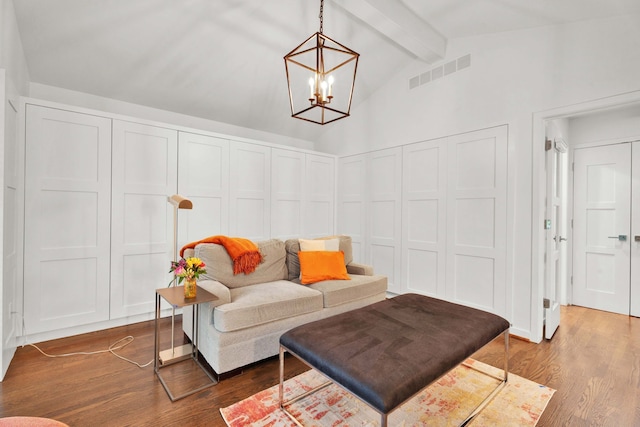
(321, 19)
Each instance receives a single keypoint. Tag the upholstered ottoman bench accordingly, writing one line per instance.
(387, 352)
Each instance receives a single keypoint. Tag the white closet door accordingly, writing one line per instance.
(476, 219)
(250, 175)
(67, 191)
(424, 213)
(203, 177)
(287, 193)
(144, 173)
(319, 211)
(384, 211)
(352, 176)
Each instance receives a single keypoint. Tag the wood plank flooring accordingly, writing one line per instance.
(593, 362)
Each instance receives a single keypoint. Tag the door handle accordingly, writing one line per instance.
(621, 237)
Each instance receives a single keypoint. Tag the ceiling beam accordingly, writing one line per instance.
(401, 25)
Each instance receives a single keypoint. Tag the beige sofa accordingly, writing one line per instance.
(252, 311)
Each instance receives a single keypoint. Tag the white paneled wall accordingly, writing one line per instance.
(384, 210)
(320, 193)
(203, 176)
(424, 217)
(476, 219)
(352, 197)
(250, 192)
(144, 172)
(287, 193)
(99, 229)
(302, 194)
(232, 184)
(432, 216)
(369, 210)
(67, 212)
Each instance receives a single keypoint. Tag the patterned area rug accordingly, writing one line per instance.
(445, 403)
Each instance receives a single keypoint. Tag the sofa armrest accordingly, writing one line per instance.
(361, 269)
(218, 289)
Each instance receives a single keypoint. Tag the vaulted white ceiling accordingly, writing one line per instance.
(223, 59)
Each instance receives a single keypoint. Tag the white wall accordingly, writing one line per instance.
(80, 99)
(619, 123)
(512, 75)
(11, 52)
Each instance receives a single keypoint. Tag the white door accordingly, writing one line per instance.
(602, 206)
(635, 230)
(476, 219)
(203, 177)
(250, 191)
(287, 193)
(67, 221)
(424, 217)
(302, 194)
(144, 173)
(384, 215)
(352, 200)
(319, 195)
(555, 237)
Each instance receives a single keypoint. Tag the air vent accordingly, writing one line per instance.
(440, 71)
(464, 62)
(437, 73)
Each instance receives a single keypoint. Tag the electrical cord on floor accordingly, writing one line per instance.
(112, 349)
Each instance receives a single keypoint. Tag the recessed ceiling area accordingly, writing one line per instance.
(223, 59)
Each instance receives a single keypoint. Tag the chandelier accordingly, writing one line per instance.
(321, 74)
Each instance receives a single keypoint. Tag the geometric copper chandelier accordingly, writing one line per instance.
(321, 74)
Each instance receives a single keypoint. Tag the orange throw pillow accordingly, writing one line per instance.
(316, 266)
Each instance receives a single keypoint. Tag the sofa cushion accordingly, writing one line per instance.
(263, 303)
(220, 266)
(316, 266)
(319, 244)
(337, 292)
(292, 247)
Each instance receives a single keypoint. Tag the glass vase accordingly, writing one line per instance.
(189, 288)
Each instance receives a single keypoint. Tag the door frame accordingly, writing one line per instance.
(539, 193)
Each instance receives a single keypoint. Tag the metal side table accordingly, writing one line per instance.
(175, 297)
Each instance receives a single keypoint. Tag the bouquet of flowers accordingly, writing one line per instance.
(190, 269)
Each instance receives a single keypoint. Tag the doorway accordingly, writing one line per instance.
(595, 112)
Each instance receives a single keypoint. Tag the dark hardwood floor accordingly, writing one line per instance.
(593, 362)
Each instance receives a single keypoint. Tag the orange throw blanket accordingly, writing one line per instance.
(245, 254)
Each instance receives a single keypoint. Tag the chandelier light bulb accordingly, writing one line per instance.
(311, 85)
